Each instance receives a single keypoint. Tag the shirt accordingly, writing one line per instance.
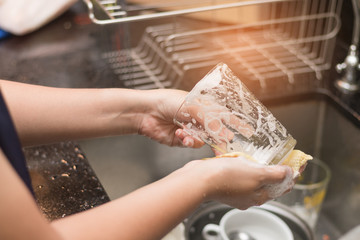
(10, 144)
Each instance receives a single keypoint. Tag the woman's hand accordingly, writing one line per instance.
(158, 123)
(241, 183)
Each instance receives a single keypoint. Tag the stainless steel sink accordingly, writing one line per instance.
(126, 163)
(321, 128)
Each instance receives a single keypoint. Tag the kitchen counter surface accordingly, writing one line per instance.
(63, 181)
(64, 53)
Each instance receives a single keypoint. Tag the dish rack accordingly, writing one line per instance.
(272, 45)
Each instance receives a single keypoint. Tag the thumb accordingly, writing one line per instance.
(276, 189)
(278, 173)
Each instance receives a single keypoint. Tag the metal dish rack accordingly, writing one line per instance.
(282, 45)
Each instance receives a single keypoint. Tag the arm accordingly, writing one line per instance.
(20, 218)
(148, 213)
(46, 114)
(158, 206)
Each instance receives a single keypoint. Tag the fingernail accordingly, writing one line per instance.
(178, 132)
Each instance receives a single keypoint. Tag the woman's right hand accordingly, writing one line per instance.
(241, 183)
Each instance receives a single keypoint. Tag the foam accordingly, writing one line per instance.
(277, 190)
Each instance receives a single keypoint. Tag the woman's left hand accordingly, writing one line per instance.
(158, 123)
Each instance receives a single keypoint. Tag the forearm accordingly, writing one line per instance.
(44, 114)
(148, 213)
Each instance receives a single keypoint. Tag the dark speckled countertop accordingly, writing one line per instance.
(64, 183)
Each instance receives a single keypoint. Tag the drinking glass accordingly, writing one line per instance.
(221, 111)
(308, 193)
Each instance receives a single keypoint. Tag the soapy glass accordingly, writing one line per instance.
(308, 194)
(223, 113)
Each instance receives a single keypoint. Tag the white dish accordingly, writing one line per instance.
(260, 224)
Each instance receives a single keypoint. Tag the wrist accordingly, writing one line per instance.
(124, 109)
(202, 176)
(160, 108)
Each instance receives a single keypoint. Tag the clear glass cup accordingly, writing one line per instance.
(308, 193)
(223, 113)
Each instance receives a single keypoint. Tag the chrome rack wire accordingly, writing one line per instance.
(288, 45)
(118, 12)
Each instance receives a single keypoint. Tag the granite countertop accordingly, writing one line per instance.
(64, 183)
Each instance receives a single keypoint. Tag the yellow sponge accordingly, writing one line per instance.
(295, 160)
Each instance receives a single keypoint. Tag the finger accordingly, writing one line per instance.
(188, 140)
(302, 168)
(276, 174)
(241, 126)
(192, 142)
(217, 127)
(205, 120)
(180, 134)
